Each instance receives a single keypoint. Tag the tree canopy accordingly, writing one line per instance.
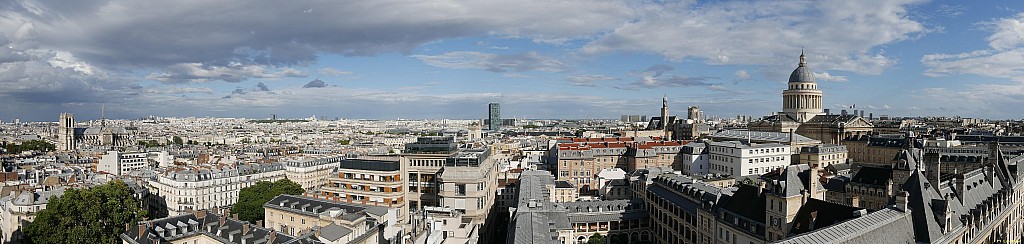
(37, 145)
(596, 239)
(96, 215)
(251, 199)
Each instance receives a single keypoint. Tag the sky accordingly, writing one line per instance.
(388, 59)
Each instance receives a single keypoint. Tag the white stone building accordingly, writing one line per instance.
(207, 188)
(741, 159)
(311, 173)
(119, 163)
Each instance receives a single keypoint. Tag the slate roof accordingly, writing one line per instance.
(817, 214)
(873, 175)
(208, 224)
(883, 226)
(537, 219)
(834, 119)
(779, 137)
(791, 181)
(314, 206)
(921, 202)
(747, 203)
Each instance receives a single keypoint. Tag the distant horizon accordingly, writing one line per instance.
(79, 119)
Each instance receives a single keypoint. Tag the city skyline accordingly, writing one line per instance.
(435, 60)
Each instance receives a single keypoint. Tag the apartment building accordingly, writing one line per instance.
(653, 154)
(351, 223)
(371, 183)
(823, 155)
(468, 183)
(119, 163)
(694, 158)
(311, 172)
(215, 227)
(19, 209)
(740, 159)
(421, 162)
(198, 188)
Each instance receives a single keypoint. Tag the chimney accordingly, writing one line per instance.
(842, 112)
(259, 223)
(222, 219)
(142, 229)
(200, 214)
(273, 236)
(760, 187)
(933, 168)
(813, 182)
(901, 201)
(245, 229)
(234, 216)
(993, 153)
(791, 137)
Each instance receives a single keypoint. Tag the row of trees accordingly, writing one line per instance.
(37, 145)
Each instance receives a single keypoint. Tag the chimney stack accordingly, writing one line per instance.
(813, 181)
(901, 200)
(142, 229)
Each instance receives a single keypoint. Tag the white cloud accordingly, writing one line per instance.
(334, 72)
(1005, 59)
(742, 75)
(840, 35)
(498, 63)
(234, 72)
(825, 76)
(588, 79)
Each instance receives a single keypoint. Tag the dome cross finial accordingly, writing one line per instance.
(803, 58)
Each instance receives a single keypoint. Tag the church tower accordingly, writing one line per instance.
(664, 118)
(802, 100)
(66, 132)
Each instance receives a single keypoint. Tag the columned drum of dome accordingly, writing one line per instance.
(802, 99)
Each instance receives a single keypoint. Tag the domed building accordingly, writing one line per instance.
(803, 113)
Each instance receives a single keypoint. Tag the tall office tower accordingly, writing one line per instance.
(494, 116)
(66, 132)
(694, 113)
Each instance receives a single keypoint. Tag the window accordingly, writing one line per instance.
(460, 189)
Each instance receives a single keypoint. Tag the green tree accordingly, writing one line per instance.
(596, 239)
(177, 140)
(344, 142)
(37, 145)
(251, 199)
(96, 215)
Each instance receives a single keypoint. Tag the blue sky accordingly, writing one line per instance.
(539, 59)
